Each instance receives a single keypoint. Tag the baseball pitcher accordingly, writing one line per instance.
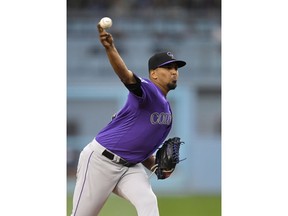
(115, 160)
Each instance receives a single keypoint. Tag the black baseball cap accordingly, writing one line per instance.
(163, 58)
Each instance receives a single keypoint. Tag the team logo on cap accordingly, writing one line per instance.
(170, 54)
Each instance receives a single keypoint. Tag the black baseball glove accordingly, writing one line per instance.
(167, 157)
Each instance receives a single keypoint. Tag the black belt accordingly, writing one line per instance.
(111, 156)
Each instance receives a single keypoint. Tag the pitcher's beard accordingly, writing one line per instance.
(172, 86)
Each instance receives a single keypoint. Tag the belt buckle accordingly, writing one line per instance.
(116, 159)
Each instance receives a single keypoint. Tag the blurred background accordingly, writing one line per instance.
(191, 30)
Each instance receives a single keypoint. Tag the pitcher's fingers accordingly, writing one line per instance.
(104, 35)
(100, 29)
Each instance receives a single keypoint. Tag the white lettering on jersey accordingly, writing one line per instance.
(161, 118)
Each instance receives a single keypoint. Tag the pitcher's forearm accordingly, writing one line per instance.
(119, 66)
(117, 63)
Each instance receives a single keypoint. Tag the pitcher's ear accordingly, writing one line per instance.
(153, 74)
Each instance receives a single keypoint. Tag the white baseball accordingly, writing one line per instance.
(105, 22)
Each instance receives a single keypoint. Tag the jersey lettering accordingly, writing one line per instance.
(161, 118)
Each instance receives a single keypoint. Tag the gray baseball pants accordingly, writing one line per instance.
(98, 176)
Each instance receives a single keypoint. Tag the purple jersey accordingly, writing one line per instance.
(140, 127)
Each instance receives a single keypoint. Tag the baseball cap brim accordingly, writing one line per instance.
(178, 62)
